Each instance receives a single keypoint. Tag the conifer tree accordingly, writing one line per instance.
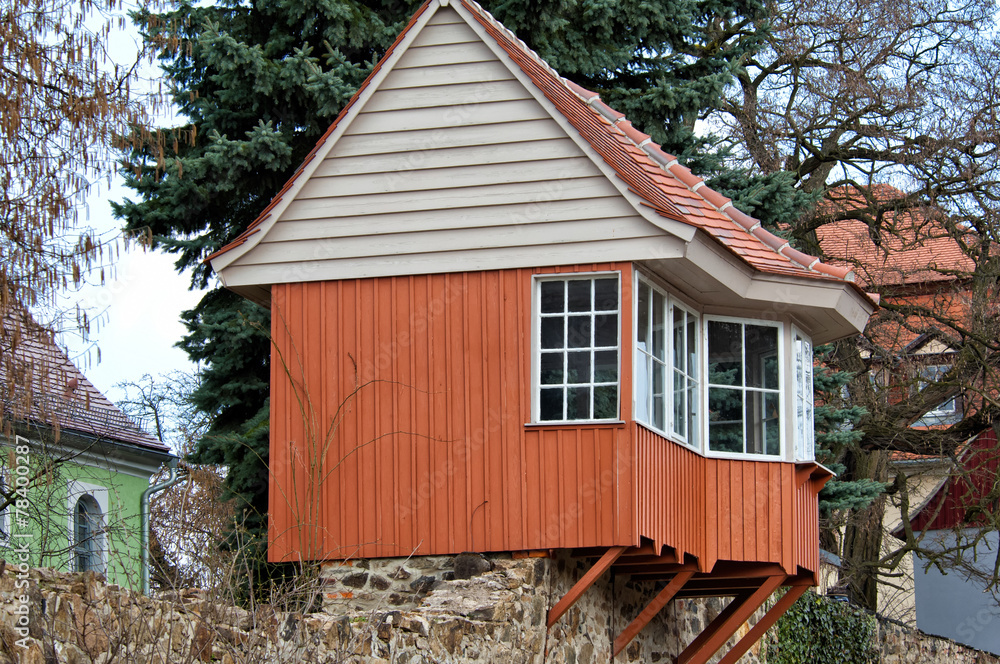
(258, 82)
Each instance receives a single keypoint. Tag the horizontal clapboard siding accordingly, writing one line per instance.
(451, 162)
(422, 243)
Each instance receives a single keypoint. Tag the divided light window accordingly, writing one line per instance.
(666, 370)
(578, 330)
(803, 365)
(744, 387)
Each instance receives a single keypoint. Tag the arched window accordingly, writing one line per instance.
(88, 535)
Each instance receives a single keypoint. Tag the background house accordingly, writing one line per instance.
(917, 262)
(87, 465)
(957, 526)
(504, 321)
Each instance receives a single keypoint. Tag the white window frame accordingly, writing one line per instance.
(781, 392)
(536, 345)
(76, 490)
(803, 400)
(669, 430)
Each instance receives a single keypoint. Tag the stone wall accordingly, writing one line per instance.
(416, 611)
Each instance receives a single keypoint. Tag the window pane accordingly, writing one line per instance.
(578, 403)
(725, 353)
(642, 392)
(692, 415)
(578, 367)
(725, 426)
(659, 395)
(552, 332)
(762, 356)
(606, 366)
(578, 332)
(642, 314)
(550, 404)
(579, 295)
(772, 425)
(680, 405)
(692, 348)
(680, 338)
(605, 330)
(606, 402)
(606, 294)
(551, 370)
(553, 297)
(659, 338)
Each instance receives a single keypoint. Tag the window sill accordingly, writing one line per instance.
(611, 424)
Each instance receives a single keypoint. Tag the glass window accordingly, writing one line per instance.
(577, 358)
(804, 428)
(87, 526)
(947, 412)
(744, 396)
(666, 359)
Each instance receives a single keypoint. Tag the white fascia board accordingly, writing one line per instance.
(678, 229)
(221, 262)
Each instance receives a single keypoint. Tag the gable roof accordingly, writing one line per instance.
(658, 187)
(914, 245)
(48, 389)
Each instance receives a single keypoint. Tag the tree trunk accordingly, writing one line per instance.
(862, 546)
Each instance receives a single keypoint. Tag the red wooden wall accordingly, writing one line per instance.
(400, 414)
(723, 509)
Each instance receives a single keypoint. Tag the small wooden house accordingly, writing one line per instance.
(504, 320)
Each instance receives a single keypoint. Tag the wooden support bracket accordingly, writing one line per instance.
(650, 611)
(594, 573)
(765, 623)
(727, 622)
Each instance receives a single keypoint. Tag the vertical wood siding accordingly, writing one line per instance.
(398, 417)
(400, 424)
(721, 509)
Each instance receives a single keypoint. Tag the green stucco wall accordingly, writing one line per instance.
(41, 530)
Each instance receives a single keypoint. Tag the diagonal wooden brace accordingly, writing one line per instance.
(764, 624)
(727, 622)
(594, 573)
(650, 611)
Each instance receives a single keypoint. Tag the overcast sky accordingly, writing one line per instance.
(135, 314)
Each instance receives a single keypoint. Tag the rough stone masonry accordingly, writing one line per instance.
(452, 610)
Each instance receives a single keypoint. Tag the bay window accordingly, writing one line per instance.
(718, 384)
(666, 365)
(577, 360)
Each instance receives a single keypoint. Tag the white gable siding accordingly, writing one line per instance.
(450, 164)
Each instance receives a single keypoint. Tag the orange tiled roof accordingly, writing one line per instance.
(915, 246)
(652, 174)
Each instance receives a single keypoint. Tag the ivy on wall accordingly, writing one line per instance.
(819, 630)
